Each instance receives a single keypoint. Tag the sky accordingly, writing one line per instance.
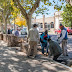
(51, 10)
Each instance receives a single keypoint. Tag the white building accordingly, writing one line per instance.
(57, 19)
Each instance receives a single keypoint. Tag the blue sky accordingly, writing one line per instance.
(51, 10)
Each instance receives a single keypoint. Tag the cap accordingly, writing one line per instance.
(34, 25)
(60, 25)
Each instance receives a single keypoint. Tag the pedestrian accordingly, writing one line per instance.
(43, 41)
(9, 31)
(17, 32)
(55, 50)
(63, 39)
(33, 37)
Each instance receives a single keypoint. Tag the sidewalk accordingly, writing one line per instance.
(12, 60)
(51, 32)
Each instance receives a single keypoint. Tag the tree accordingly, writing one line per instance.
(28, 7)
(1, 20)
(14, 13)
(9, 11)
(67, 15)
(20, 21)
(6, 8)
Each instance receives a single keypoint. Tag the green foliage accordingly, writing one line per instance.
(67, 15)
(43, 6)
(28, 7)
(9, 5)
(6, 8)
(9, 9)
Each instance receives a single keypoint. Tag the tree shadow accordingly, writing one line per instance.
(13, 61)
(10, 61)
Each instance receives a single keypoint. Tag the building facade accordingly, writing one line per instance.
(49, 22)
(44, 23)
(57, 19)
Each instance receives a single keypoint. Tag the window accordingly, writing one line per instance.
(41, 26)
(46, 26)
(52, 25)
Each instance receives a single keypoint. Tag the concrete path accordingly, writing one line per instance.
(12, 60)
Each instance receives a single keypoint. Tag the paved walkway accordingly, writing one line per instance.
(12, 60)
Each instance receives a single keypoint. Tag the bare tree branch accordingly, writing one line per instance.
(36, 5)
(7, 15)
(23, 11)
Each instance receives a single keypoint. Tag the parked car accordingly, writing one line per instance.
(69, 30)
(58, 31)
(24, 31)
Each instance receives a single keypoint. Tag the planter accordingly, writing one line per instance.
(4, 37)
(10, 39)
(14, 41)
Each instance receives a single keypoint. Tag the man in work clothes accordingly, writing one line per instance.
(33, 37)
(55, 50)
(63, 38)
(43, 39)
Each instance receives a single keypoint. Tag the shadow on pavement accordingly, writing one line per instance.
(11, 60)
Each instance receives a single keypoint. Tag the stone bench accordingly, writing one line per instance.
(4, 37)
(17, 41)
(10, 39)
(14, 41)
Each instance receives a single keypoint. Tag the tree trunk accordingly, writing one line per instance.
(28, 23)
(0, 26)
(5, 26)
(14, 24)
(9, 22)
